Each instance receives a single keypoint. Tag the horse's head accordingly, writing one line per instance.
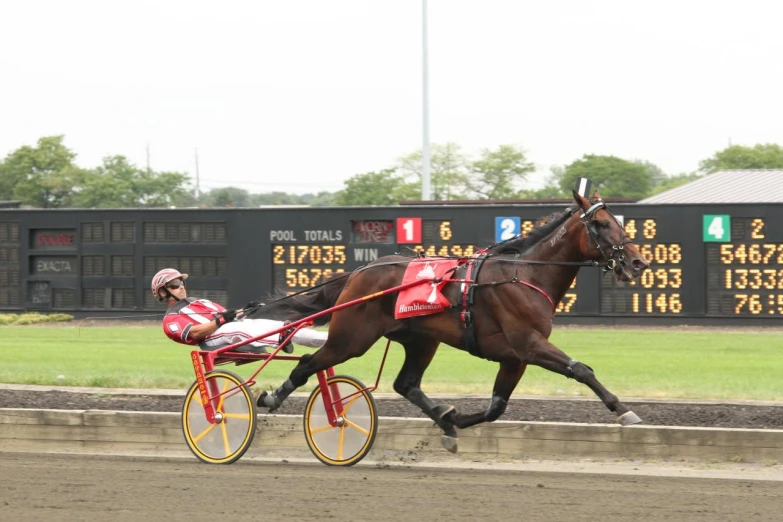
(606, 240)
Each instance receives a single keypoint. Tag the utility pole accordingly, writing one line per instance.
(425, 120)
(198, 190)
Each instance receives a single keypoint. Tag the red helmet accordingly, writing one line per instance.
(160, 279)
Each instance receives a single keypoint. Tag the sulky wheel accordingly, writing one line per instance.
(228, 439)
(357, 422)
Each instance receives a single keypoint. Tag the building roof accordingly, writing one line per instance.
(727, 186)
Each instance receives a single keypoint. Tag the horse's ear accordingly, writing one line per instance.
(596, 195)
(582, 202)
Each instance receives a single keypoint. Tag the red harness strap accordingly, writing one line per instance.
(537, 289)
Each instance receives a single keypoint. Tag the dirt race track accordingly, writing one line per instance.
(61, 487)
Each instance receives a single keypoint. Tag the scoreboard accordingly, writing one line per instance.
(709, 264)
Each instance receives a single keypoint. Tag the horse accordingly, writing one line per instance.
(516, 289)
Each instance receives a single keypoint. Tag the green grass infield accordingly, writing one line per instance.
(698, 364)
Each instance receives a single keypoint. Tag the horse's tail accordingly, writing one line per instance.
(296, 307)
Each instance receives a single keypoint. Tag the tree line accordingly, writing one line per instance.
(46, 176)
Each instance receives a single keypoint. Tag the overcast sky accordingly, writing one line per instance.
(299, 95)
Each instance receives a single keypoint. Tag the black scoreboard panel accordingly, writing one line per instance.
(709, 264)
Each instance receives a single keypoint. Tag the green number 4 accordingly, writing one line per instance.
(717, 228)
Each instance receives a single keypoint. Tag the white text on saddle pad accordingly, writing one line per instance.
(424, 298)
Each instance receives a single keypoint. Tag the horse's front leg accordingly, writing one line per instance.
(552, 358)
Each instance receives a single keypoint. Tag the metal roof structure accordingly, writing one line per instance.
(727, 186)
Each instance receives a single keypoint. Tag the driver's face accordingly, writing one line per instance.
(177, 288)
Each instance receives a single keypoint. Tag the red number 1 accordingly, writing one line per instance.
(409, 230)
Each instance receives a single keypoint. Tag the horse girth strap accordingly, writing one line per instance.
(465, 303)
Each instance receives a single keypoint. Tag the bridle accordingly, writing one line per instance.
(618, 250)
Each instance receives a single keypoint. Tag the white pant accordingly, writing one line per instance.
(242, 329)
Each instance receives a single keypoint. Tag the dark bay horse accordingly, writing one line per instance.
(520, 282)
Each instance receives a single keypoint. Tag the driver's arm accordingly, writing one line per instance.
(201, 331)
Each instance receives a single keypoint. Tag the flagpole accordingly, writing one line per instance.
(425, 120)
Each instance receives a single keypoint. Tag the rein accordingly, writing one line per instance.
(609, 265)
(515, 279)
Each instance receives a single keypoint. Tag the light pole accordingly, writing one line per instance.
(425, 117)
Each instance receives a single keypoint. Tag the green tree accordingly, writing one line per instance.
(657, 175)
(671, 182)
(110, 185)
(551, 189)
(448, 171)
(274, 198)
(384, 187)
(119, 184)
(6, 183)
(612, 176)
(165, 189)
(760, 156)
(42, 176)
(322, 199)
(228, 197)
(498, 173)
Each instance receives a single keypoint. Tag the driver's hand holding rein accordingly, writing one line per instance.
(202, 322)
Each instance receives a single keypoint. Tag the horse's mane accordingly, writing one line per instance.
(544, 227)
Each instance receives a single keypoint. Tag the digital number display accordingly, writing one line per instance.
(298, 267)
(751, 254)
(658, 291)
(437, 241)
(567, 304)
(745, 275)
(301, 278)
(309, 254)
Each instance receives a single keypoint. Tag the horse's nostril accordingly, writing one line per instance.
(638, 264)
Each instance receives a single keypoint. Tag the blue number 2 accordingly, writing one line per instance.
(506, 228)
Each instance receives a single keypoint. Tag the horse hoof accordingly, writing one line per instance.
(628, 418)
(265, 400)
(450, 443)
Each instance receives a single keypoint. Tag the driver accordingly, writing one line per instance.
(192, 321)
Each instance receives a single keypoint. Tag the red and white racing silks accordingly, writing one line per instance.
(182, 316)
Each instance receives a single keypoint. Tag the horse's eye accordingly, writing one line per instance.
(604, 224)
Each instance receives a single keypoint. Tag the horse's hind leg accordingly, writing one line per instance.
(344, 342)
(408, 384)
(552, 358)
(507, 379)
